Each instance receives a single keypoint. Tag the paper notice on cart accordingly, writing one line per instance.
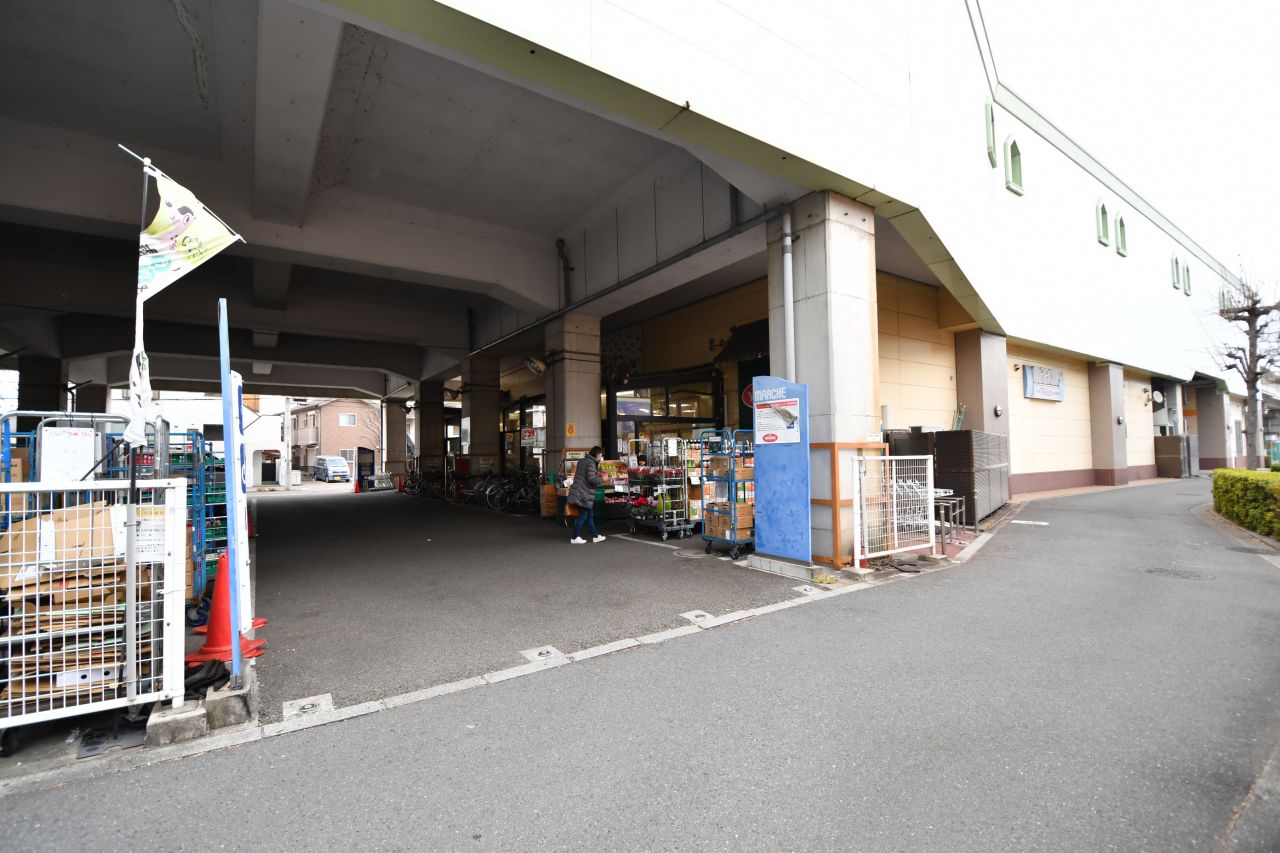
(149, 541)
(777, 421)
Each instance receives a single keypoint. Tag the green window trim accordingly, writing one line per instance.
(1122, 238)
(991, 133)
(1102, 222)
(1013, 166)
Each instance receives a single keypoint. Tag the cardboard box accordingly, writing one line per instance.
(549, 493)
(718, 466)
(74, 586)
(90, 534)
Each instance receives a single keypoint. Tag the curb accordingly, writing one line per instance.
(1206, 512)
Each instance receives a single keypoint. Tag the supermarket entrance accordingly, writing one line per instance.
(648, 408)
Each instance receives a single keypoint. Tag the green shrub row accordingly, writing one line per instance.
(1249, 498)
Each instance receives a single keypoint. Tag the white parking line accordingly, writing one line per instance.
(644, 541)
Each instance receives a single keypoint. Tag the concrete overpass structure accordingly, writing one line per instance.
(435, 190)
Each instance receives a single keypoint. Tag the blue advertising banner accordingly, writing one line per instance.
(781, 414)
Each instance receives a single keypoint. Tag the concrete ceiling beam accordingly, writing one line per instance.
(297, 49)
(326, 305)
(271, 284)
(75, 181)
(84, 335)
(177, 370)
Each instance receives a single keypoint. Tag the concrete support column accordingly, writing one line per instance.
(428, 426)
(982, 384)
(573, 387)
(1213, 422)
(837, 346)
(92, 398)
(1108, 429)
(42, 386)
(481, 412)
(395, 438)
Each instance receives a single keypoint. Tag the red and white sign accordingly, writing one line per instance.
(746, 395)
(778, 421)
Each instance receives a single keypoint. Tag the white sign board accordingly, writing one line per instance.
(238, 498)
(66, 453)
(777, 421)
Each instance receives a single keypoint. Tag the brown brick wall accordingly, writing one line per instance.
(334, 438)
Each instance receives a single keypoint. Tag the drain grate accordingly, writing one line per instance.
(1178, 574)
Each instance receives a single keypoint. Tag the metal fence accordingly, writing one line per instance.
(91, 618)
(894, 504)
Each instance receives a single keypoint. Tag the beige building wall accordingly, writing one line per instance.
(1139, 419)
(1047, 436)
(917, 359)
(695, 334)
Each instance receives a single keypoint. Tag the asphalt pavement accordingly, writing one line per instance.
(1104, 680)
(373, 595)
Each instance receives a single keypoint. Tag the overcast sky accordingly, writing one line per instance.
(1181, 99)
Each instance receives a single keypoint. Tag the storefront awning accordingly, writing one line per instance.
(746, 342)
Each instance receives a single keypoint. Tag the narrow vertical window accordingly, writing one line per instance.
(1186, 279)
(1122, 239)
(991, 133)
(1103, 223)
(1177, 273)
(1013, 166)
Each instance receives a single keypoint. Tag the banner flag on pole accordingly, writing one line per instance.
(183, 235)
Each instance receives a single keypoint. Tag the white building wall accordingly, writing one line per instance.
(893, 98)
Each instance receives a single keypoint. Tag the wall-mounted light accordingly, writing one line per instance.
(998, 410)
(1120, 420)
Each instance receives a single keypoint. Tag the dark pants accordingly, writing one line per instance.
(587, 517)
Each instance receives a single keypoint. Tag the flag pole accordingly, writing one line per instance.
(131, 506)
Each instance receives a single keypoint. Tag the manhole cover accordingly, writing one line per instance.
(1179, 574)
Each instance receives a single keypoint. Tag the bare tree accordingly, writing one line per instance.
(1243, 304)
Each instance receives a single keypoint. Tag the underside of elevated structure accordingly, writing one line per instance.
(404, 204)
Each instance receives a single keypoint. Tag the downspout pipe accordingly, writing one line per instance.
(788, 298)
(566, 271)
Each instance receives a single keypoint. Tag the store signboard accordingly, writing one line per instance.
(1043, 383)
(533, 437)
(783, 509)
(777, 417)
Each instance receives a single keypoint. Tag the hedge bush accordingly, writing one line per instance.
(1249, 498)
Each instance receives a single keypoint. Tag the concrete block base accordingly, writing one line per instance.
(786, 568)
(858, 573)
(167, 725)
(227, 707)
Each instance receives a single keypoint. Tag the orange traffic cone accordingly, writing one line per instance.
(356, 485)
(400, 484)
(218, 644)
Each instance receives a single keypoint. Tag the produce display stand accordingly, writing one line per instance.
(660, 490)
(728, 491)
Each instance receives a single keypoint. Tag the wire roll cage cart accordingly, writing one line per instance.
(728, 490)
(668, 488)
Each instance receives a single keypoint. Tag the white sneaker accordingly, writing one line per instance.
(598, 539)
(577, 540)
